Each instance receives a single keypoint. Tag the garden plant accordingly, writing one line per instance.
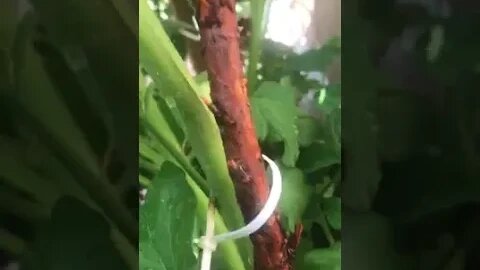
(202, 137)
(71, 128)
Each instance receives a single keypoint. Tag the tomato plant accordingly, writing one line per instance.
(73, 137)
(181, 143)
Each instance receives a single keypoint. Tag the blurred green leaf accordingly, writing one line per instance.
(167, 222)
(325, 148)
(329, 98)
(24, 207)
(226, 256)
(39, 104)
(294, 198)
(243, 8)
(308, 130)
(324, 258)
(368, 243)
(274, 112)
(203, 85)
(157, 123)
(40, 98)
(160, 59)
(15, 172)
(318, 155)
(76, 237)
(332, 208)
(305, 246)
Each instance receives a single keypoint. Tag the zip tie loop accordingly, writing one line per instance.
(208, 243)
(264, 214)
(267, 210)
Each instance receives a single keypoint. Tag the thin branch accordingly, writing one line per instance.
(221, 52)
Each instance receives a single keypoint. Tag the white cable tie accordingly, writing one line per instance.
(264, 214)
(208, 243)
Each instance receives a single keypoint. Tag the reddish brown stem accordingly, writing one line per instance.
(220, 49)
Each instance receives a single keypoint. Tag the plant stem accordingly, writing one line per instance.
(255, 50)
(161, 130)
(184, 162)
(126, 250)
(209, 233)
(219, 38)
(326, 229)
(161, 60)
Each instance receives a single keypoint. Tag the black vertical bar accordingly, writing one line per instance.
(410, 188)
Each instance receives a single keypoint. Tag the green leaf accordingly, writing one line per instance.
(25, 208)
(324, 258)
(76, 237)
(41, 100)
(325, 150)
(305, 246)
(157, 123)
(39, 104)
(332, 208)
(227, 255)
(261, 123)
(160, 59)
(315, 59)
(103, 56)
(40, 169)
(243, 9)
(16, 173)
(318, 155)
(368, 243)
(275, 112)
(203, 89)
(167, 222)
(329, 98)
(308, 130)
(295, 196)
(148, 152)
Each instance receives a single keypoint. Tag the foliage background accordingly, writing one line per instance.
(304, 140)
(68, 134)
(410, 93)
